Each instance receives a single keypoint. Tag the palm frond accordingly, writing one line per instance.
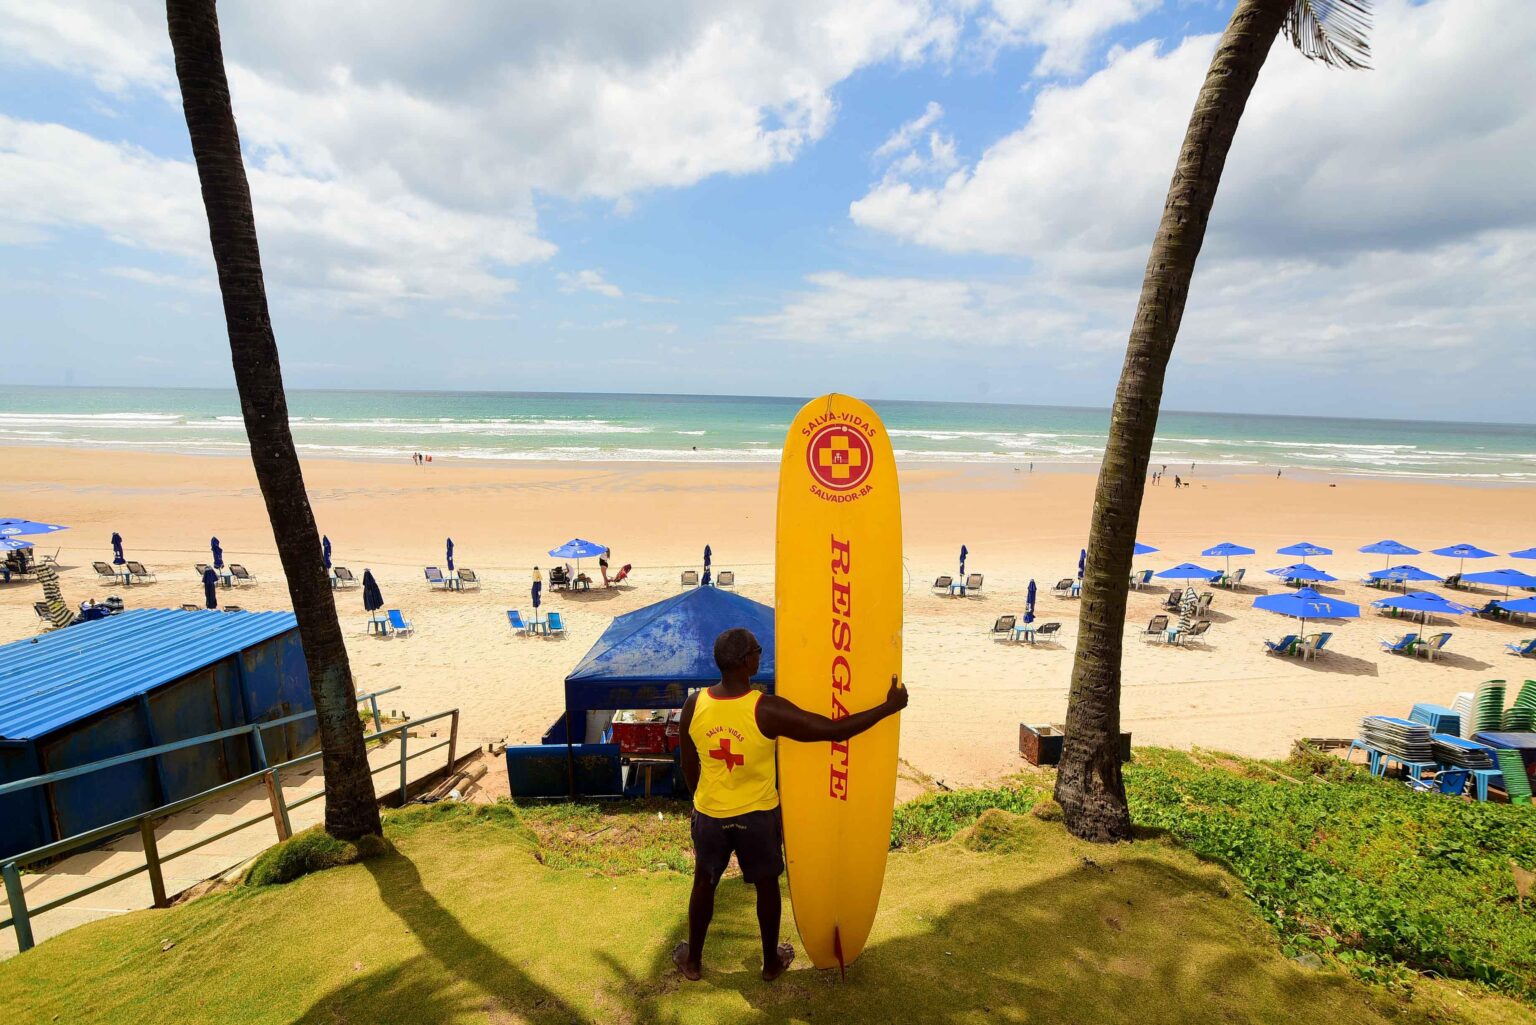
(1335, 32)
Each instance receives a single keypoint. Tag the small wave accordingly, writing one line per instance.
(693, 434)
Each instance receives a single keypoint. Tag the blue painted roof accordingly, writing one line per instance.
(673, 641)
(64, 676)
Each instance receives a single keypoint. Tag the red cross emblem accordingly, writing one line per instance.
(839, 458)
(723, 752)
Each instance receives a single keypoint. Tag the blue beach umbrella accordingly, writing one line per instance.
(964, 551)
(1226, 550)
(578, 549)
(218, 553)
(10, 526)
(1305, 604)
(325, 551)
(210, 588)
(1401, 574)
(117, 549)
(1528, 553)
(1387, 546)
(373, 598)
(450, 555)
(11, 544)
(1302, 571)
(1424, 603)
(1142, 549)
(1082, 563)
(1029, 604)
(1304, 549)
(1463, 552)
(1505, 578)
(1518, 605)
(1188, 571)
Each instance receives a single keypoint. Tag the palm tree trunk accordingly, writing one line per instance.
(351, 809)
(1089, 786)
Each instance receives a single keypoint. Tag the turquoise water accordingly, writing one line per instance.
(542, 426)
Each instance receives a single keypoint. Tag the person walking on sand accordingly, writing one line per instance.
(602, 565)
(735, 789)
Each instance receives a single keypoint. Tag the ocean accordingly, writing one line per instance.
(497, 426)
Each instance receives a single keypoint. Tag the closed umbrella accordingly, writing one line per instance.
(1082, 563)
(10, 526)
(210, 588)
(1462, 553)
(218, 553)
(53, 597)
(1388, 547)
(1226, 550)
(708, 555)
(373, 598)
(964, 551)
(1029, 604)
(1187, 610)
(705, 581)
(325, 551)
(1304, 549)
(1505, 578)
(538, 587)
(117, 549)
(1305, 604)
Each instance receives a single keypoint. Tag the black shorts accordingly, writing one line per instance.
(756, 838)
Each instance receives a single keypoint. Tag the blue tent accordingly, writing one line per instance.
(1305, 549)
(652, 657)
(1305, 604)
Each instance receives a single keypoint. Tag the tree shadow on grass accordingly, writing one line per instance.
(415, 991)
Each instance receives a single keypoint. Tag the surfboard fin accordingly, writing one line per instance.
(837, 949)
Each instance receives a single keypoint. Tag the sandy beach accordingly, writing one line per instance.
(969, 691)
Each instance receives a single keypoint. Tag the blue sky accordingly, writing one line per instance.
(900, 199)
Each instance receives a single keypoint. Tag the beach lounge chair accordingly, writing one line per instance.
(1004, 626)
(973, 584)
(239, 575)
(1235, 581)
(941, 585)
(1157, 629)
(342, 577)
(1451, 782)
(1204, 604)
(1197, 630)
(1313, 644)
(690, 578)
(727, 578)
(623, 573)
(190, 607)
(1063, 588)
(435, 577)
(469, 580)
(556, 625)
(139, 574)
(1142, 579)
(1453, 581)
(1525, 649)
(41, 608)
(231, 608)
(1047, 632)
(106, 574)
(1430, 645)
(1402, 646)
(399, 623)
(559, 580)
(515, 618)
(1284, 646)
(200, 569)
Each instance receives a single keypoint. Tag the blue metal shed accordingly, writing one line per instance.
(137, 680)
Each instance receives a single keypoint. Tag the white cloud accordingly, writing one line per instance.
(589, 281)
(904, 137)
(114, 45)
(1066, 30)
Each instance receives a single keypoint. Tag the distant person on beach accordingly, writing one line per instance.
(602, 565)
(735, 789)
(1277, 474)
(1177, 482)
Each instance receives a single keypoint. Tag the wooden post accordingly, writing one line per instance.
(20, 920)
(152, 861)
(279, 810)
(404, 730)
(453, 740)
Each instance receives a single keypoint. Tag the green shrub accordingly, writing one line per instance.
(310, 851)
(934, 818)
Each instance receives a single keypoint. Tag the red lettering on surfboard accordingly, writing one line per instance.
(842, 669)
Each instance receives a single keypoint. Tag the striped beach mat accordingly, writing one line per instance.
(53, 597)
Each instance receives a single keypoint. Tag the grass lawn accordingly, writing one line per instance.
(503, 915)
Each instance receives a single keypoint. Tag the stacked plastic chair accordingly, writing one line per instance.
(1438, 718)
(1462, 706)
(1462, 754)
(1399, 738)
(1488, 711)
(1520, 717)
(1517, 784)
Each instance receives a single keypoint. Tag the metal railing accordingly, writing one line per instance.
(154, 860)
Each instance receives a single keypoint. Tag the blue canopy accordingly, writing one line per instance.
(1029, 604)
(218, 553)
(1401, 573)
(210, 588)
(11, 526)
(652, 657)
(576, 548)
(325, 551)
(1526, 553)
(1189, 571)
(1142, 549)
(1518, 605)
(1305, 604)
(1423, 601)
(1501, 578)
(450, 555)
(117, 549)
(373, 598)
(1305, 549)
(11, 544)
(1302, 571)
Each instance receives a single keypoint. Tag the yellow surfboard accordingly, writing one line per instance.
(838, 629)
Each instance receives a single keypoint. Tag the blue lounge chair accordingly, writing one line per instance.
(1142, 579)
(435, 577)
(399, 623)
(1311, 646)
(1525, 649)
(556, 625)
(515, 617)
(1284, 646)
(1402, 646)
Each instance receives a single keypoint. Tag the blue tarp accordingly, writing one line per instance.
(652, 657)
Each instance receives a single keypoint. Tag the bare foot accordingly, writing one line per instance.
(786, 958)
(691, 969)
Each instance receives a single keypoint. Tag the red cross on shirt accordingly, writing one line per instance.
(723, 752)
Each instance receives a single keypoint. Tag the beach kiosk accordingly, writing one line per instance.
(648, 660)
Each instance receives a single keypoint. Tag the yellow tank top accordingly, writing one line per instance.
(738, 772)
